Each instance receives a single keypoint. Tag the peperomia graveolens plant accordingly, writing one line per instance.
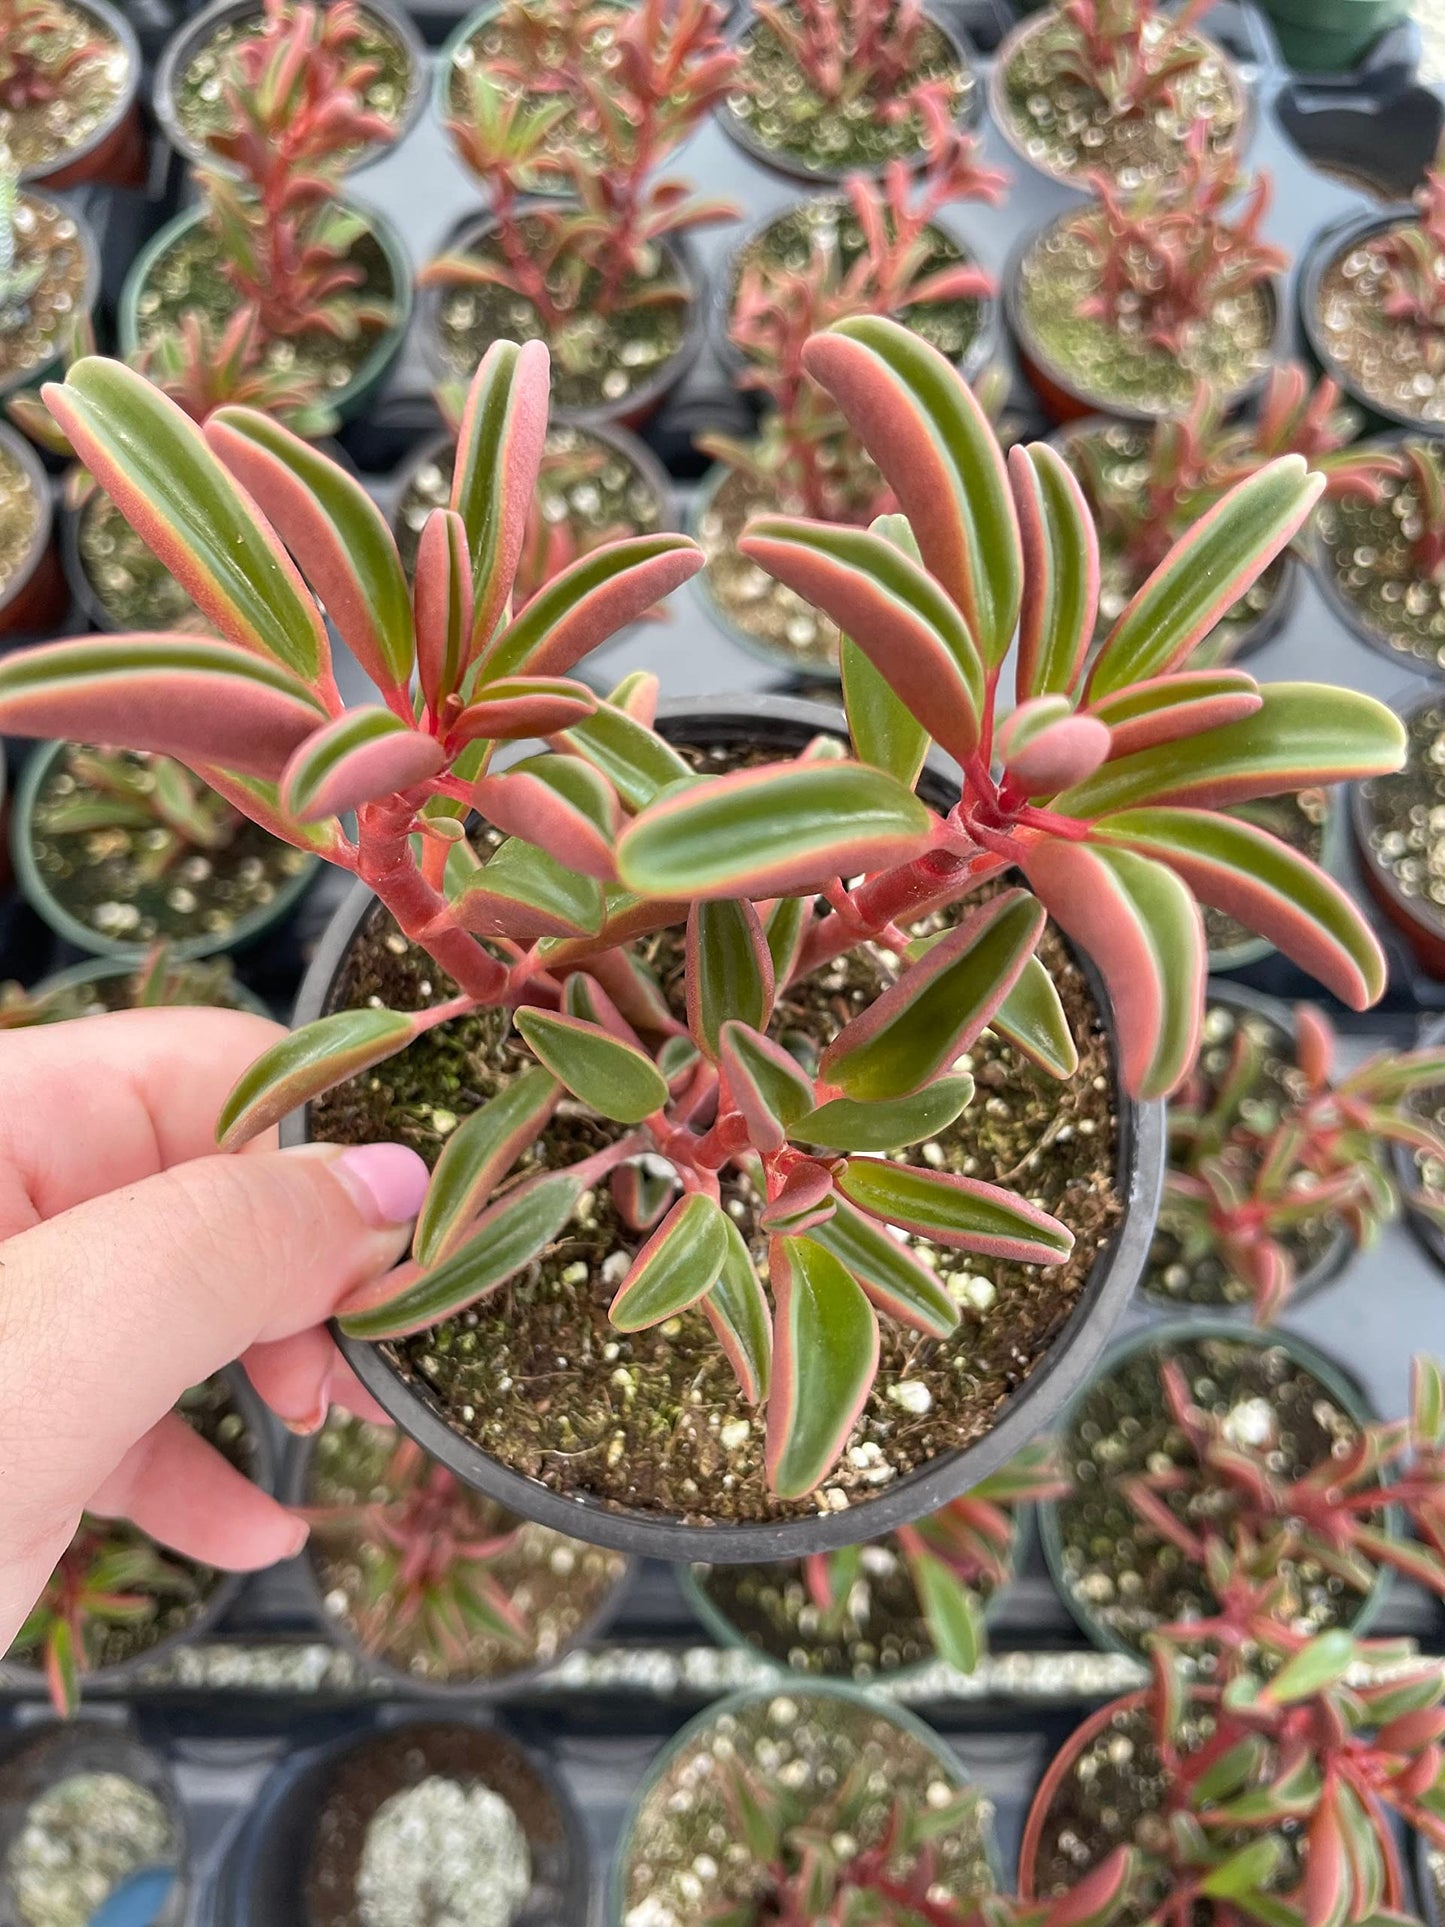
(1101, 789)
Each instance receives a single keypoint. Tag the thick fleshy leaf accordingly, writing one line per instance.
(917, 418)
(637, 763)
(641, 1194)
(804, 1199)
(524, 893)
(1321, 1664)
(883, 732)
(737, 1309)
(443, 608)
(825, 1355)
(1144, 931)
(786, 925)
(1095, 1900)
(963, 1213)
(891, 608)
(189, 697)
(584, 997)
(951, 1611)
(1168, 708)
(364, 754)
(1268, 887)
(62, 1669)
(1060, 572)
(475, 1159)
(335, 531)
(516, 707)
(499, 454)
(1205, 574)
(899, 1285)
(636, 695)
(938, 1007)
(765, 1083)
(609, 1076)
(1032, 1017)
(589, 602)
(679, 1263)
(508, 1235)
(1302, 734)
(729, 970)
(884, 1124)
(1065, 753)
(773, 832)
(308, 1061)
(558, 801)
(154, 464)
(1244, 1872)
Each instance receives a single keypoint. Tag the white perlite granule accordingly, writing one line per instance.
(443, 1855)
(81, 1840)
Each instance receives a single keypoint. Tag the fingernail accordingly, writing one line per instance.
(302, 1534)
(387, 1182)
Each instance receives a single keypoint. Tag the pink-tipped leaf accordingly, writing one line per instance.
(516, 707)
(365, 754)
(635, 761)
(499, 455)
(885, 1124)
(679, 1264)
(610, 1077)
(737, 1309)
(825, 1356)
(884, 733)
(899, 1286)
(559, 802)
(525, 893)
(309, 1061)
(476, 1157)
(963, 1213)
(1166, 709)
(1060, 572)
(1063, 753)
(729, 970)
(443, 592)
(767, 1086)
(588, 603)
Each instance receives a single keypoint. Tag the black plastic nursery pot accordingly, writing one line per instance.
(1429, 1884)
(1165, 1340)
(793, 165)
(785, 725)
(112, 149)
(192, 47)
(264, 1879)
(1400, 880)
(1330, 36)
(33, 596)
(1331, 250)
(246, 930)
(146, 1851)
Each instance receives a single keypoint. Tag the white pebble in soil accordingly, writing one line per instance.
(443, 1855)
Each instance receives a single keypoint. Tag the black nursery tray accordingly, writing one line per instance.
(224, 1712)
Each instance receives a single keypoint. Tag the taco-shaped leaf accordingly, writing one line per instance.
(1301, 734)
(625, 917)
(729, 970)
(443, 594)
(891, 608)
(883, 732)
(1265, 885)
(364, 754)
(805, 1199)
(786, 925)
(190, 697)
(589, 602)
(559, 801)
(475, 1159)
(1065, 752)
(499, 455)
(336, 533)
(887, 1123)
(635, 762)
(773, 832)
(1144, 931)
(678, 1264)
(737, 1309)
(960, 1212)
(154, 463)
(1168, 708)
(1205, 574)
(825, 1356)
(634, 988)
(609, 1076)
(516, 707)
(939, 1005)
(523, 892)
(765, 1083)
(1060, 572)
(508, 1235)
(950, 1609)
(917, 418)
(900, 1287)
(1095, 1900)
(1032, 1017)
(308, 1061)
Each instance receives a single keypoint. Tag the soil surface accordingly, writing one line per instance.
(19, 520)
(1386, 362)
(1367, 547)
(45, 130)
(136, 590)
(82, 1839)
(46, 235)
(1406, 812)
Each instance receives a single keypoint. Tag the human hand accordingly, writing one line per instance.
(135, 1261)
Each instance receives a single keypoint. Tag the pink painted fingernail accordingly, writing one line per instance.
(387, 1182)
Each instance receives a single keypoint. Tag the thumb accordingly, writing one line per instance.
(111, 1310)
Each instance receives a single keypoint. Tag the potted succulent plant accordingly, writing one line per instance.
(69, 71)
(877, 248)
(49, 277)
(1125, 308)
(116, 1598)
(825, 91)
(329, 284)
(597, 267)
(1399, 836)
(1372, 302)
(374, 44)
(118, 850)
(32, 584)
(1214, 1466)
(432, 1582)
(90, 989)
(409, 1815)
(1114, 88)
(889, 1607)
(647, 865)
(1379, 547)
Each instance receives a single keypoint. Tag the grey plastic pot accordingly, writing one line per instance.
(1330, 36)
(786, 724)
(1327, 247)
(191, 38)
(1165, 1339)
(114, 152)
(42, 899)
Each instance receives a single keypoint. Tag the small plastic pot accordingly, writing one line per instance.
(1423, 932)
(35, 598)
(628, 411)
(784, 725)
(1167, 1339)
(245, 931)
(40, 371)
(365, 384)
(191, 39)
(815, 671)
(100, 970)
(1330, 36)
(793, 169)
(115, 152)
(262, 1881)
(1322, 568)
(1328, 245)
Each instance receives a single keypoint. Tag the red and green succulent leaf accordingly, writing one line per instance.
(364, 754)
(963, 1213)
(898, 1284)
(637, 763)
(311, 1060)
(599, 594)
(612, 1078)
(883, 731)
(885, 1124)
(560, 802)
(825, 1355)
(477, 1156)
(737, 1309)
(499, 455)
(1032, 1018)
(524, 893)
(678, 1265)
(1060, 573)
(518, 707)
(1168, 708)
(729, 970)
(766, 1085)
(951, 1610)
(443, 598)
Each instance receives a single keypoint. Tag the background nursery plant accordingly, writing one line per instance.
(1106, 802)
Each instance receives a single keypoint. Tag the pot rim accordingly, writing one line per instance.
(1003, 120)
(1378, 879)
(1323, 251)
(792, 169)
(1324, 575)
(116, 24)
(1166, 1336)
(191, 36)
(46, 904)
(100, 969)
(1027, 1413)
(14, 443)
(1054, 1772)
